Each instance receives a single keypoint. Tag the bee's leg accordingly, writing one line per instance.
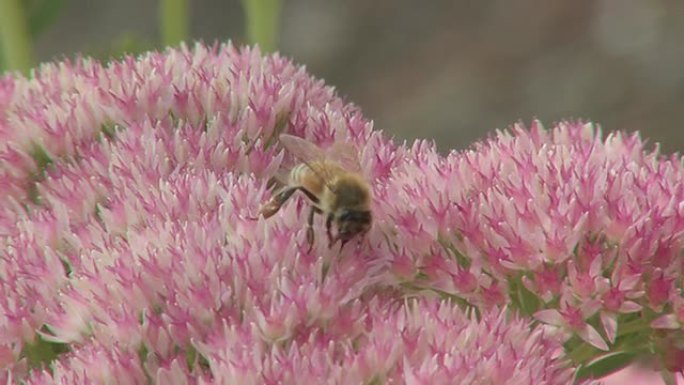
(277, 201)
(328, 227)
(285, 194)
(309, 195)
(309, 228)
(281, 197)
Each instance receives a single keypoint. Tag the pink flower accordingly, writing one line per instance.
(574, 318)
(94, 365)
(421, 342)
(128, 232)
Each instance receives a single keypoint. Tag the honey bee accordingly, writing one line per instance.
(330, 179)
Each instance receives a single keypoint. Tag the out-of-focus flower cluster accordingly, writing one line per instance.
(130, 252)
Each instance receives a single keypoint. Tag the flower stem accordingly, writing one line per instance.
(173, 21)
(633, 326)
(262, 17)
(14, 38)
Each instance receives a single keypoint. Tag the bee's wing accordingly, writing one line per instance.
(346, 155)
(301, 148)
(280, 178)
(308, 153)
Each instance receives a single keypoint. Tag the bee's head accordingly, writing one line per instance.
(352, 222)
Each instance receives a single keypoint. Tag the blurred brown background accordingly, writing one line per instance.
(449, 70)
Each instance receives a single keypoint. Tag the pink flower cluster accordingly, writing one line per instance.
(130, 250)
(581, 232)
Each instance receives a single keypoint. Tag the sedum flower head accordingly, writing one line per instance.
(418, 342)
(131, 253)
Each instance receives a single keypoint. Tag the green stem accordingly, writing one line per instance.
(632, 326)
(584, 352)
(262, 18)
(581, 353)
(173, 21)
(14, 38)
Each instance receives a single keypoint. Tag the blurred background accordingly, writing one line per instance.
(451, 70)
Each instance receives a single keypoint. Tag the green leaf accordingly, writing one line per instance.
(42, 352)
(462, 260)
(523, 300)
(41, 157)
(606, 364)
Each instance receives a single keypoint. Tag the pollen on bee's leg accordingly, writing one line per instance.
(267, 211)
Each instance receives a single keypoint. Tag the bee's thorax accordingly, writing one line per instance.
(350, 192)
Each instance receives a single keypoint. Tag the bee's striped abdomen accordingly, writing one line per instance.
(298, 174)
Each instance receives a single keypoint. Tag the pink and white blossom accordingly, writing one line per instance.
(129, 239)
